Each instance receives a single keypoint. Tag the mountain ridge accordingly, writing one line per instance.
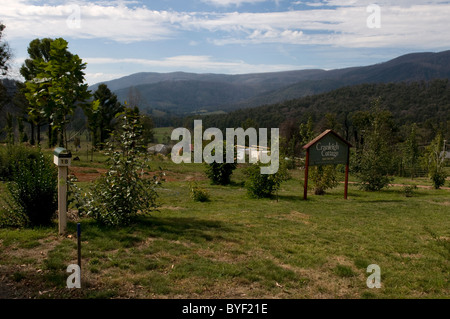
(184, 93)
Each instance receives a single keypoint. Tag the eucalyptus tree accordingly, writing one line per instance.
(5, 52)
(102, 114)
(54, 85)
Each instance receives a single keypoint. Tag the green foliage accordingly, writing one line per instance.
(5, 52)
(9, 128)
(11, 155)
(198, 193)
(323, 177)
(408, 190)
(125, 191)
(435, 159)
(438, 178)
(147, 129)
(101, 114)
(264, 185)
(54, 84)
(424, 103)
(220, 173)
(411, 153)
(32, 190)
(373, 160)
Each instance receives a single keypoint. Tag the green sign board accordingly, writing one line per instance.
(330, 149)
(327, 148)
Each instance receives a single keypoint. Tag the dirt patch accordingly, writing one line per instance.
(22, 280)
(89, 174)
(294, 216)
(86, 174)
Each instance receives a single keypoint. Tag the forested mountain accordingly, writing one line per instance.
(182, 93)
(424, 103)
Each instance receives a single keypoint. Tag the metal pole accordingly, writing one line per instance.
(346, 181)
(62, 199)
(305, 189)
(79, 243)
(346, 174)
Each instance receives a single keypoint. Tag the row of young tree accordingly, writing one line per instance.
(379, 151)
(52, 96)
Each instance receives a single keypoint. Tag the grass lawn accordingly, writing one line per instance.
(237, 247)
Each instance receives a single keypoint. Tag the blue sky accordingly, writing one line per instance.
(120, 37)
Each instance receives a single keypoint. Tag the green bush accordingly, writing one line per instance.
(198, 193)
(323, 177)
(435, 161)
(11, 155)
(438, 177)
(220, 173)
(264, 185)
(33, 193)
(124, 191)
(408, 190)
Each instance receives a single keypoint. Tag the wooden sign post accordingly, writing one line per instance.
(62, 159)
(326, 149)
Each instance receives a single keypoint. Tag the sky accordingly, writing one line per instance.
(120, 37)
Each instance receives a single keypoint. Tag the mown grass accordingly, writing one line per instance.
(236, 247)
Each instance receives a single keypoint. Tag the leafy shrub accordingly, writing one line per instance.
(438, 178)
(33, 193)
(323, 177)
(12, 218)
(374, 161)
(435, 160)
(11, 155)
(264, 185)
(198, 193)
(125, 191)
(220, 173)
(408, 190)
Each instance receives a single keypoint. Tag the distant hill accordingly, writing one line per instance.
(183, 93)
(424, 103)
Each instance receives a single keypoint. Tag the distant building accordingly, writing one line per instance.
(446, 154)
(159, 149)
(253, 152)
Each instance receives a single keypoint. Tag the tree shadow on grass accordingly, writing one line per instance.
(189, 228)
(171, 228)
(289, 198)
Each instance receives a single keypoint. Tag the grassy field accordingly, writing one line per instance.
(237, 247)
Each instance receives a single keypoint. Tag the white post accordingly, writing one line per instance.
(62, 159)
(62, 199)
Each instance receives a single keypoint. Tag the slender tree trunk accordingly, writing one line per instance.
(38, 134)
(61, 137)
(32, 141)
(50, 137)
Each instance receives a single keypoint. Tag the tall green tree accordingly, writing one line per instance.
(124, 192)
(39, 52)
(411, 152)
(5, 52)
(101, 117)
(54, 83)
(23, 106)
(374, 161)
(147, 128)
(435, 157)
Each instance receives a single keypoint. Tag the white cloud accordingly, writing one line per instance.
(98, 77)
(418, 26)
(340, 23)
(111, 21)
(201, 63)
(226, 3)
